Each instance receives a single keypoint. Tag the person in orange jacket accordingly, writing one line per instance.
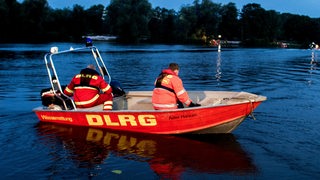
(85, 89)
(169, 90)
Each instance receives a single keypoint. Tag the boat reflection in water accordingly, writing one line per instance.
(168, 156)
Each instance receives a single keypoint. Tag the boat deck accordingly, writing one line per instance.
(141, 100)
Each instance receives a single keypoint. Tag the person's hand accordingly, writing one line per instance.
(194, 104)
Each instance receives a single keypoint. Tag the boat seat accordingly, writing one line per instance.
(94, 108)
(144, 104)
(145, 101)
(119, 103)
(208, 101)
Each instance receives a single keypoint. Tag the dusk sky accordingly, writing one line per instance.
(301, 7)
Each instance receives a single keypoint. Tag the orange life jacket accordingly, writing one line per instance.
(167, 92)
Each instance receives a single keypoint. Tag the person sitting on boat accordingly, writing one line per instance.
(85, 89)
(169, 92)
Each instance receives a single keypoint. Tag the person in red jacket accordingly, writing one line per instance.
(169, 90)
(85, 89)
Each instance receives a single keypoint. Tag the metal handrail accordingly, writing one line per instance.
(53, 76)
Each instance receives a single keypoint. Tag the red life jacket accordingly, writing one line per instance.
(85, 88)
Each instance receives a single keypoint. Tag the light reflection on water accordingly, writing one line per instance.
(282, 142)
(167, 156)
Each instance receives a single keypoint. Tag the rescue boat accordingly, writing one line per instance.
(220, 111)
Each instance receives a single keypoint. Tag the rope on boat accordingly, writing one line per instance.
(252, 108)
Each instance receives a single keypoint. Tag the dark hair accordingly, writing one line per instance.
(174, 66)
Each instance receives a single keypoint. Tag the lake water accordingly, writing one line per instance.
(283, 142)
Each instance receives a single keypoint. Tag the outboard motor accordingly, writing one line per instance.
(48, 98)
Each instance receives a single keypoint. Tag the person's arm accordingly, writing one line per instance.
(180, 91)
(69, 89)
(105, 87)
(182, 94)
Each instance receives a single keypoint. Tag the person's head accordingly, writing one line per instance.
(174, 67)
(91, 66)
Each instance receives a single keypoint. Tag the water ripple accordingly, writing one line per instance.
(283, 140)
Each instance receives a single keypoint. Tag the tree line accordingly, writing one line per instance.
(34, 21)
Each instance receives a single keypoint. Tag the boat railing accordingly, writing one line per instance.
(53, 75)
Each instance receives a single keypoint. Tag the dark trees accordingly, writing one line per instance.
(135, 20)
(128, 19)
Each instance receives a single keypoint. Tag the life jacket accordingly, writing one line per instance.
(85, 87)
(168, 91)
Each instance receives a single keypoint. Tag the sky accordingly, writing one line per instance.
(301, 7)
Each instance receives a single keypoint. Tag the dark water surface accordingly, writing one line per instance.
(283, 142)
